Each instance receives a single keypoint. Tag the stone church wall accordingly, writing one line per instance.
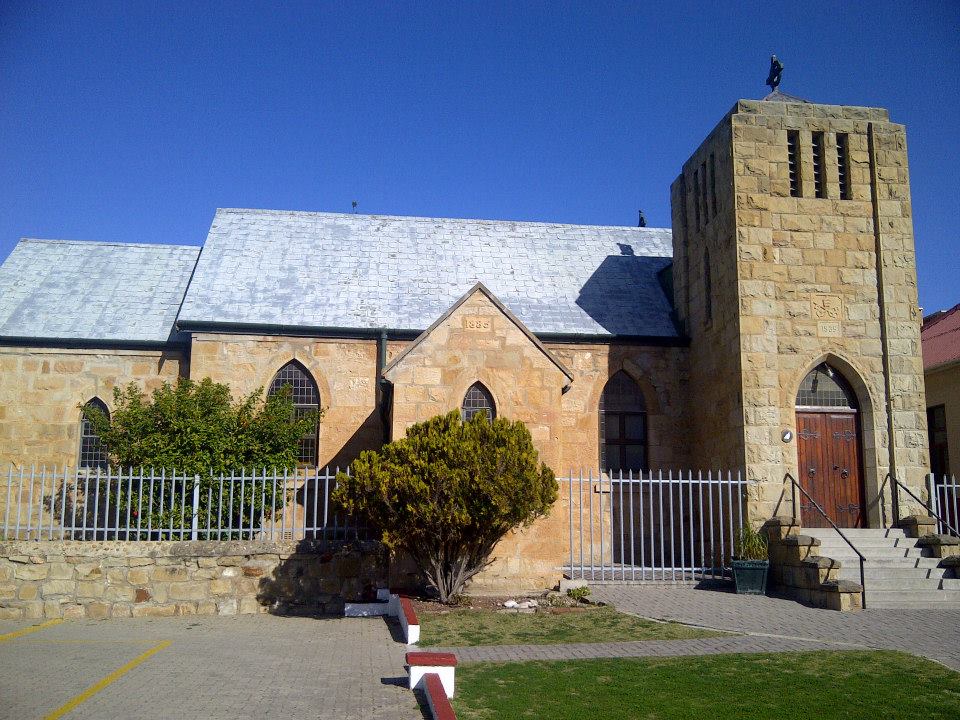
(344, 370)
(41, 390)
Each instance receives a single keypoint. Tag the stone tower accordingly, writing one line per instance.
(793, 253)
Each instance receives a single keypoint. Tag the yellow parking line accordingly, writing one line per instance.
(27, 631)
(94, 689)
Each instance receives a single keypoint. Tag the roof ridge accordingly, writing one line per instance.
(424, 218)
(112, 243)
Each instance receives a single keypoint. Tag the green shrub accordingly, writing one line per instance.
(448, 492)
(579, 593)
(195, 428)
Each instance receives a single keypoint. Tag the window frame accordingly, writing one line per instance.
(467, 413)
(623, 441)
(89, 438)
(310, 439)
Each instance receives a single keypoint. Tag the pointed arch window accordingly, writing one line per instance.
(623, 425)
(92, 453)
(478, 400)
(306, 398)
(825, 387)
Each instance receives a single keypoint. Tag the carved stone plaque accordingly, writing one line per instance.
(828, 329)
(476, 322)
(826, 307)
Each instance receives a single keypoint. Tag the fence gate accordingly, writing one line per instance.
(653, 526)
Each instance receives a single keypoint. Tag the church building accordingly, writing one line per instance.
(773, 329)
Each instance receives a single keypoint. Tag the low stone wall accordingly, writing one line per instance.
(798, 571)
(123, 579)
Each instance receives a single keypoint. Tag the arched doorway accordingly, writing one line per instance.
(829, 449)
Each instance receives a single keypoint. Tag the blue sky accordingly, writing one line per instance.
(133, 121)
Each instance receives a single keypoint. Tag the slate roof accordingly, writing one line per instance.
(940, 338)
(90, 291)
(330, 270)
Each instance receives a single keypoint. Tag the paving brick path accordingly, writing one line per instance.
(934, 634)
(231, 668)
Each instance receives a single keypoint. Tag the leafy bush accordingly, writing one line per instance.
(448, 492)
(196, 429)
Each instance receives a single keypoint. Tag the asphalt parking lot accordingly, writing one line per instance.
(249, 666)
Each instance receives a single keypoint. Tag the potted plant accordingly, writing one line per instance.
(750, 562)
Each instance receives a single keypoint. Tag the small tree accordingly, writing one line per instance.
(195, 428)
(448, 492)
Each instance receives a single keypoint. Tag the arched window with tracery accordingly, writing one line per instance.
(623, 425)
(92, 453)
(478, 400)
(306, 398)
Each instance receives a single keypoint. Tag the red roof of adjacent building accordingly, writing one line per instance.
(940, 337)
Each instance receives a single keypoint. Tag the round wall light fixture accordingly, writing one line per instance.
(786, 435)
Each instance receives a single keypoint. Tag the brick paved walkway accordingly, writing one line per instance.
(231, 668)
(934, 634)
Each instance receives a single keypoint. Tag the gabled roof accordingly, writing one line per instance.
(93, 291)
(940, 338)
(479, 287)
(265, 268)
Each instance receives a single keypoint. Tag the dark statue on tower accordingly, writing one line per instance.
(776, 70)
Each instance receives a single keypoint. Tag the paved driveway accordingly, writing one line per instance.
(206, 667)
(933, 634)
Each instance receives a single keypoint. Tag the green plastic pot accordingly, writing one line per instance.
(750, 576)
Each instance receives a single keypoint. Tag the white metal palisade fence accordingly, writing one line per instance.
(137, 504)
(674, 526)
(945, 501)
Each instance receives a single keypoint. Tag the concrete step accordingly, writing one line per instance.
(873, 553)
(873, 583)
(854, 532)
(880, 604)
(891, 572)
(884, 562)
(931, 595)
(870, 543)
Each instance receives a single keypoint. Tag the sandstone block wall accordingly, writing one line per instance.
(42, 389)
(154, 579)
(344, 371)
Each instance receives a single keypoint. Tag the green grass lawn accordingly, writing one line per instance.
(816, 685)
(595, 624)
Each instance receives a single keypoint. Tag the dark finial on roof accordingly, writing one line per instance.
(776, 70)
(354, 204)
(643, 220)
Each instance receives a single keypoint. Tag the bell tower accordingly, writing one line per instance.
(793, 250)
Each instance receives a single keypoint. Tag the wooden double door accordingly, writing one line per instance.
(830, 469)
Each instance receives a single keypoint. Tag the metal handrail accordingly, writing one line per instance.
(793, 497)
(925, 505)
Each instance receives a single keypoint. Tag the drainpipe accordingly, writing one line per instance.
(884, 338)
(382, 393)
